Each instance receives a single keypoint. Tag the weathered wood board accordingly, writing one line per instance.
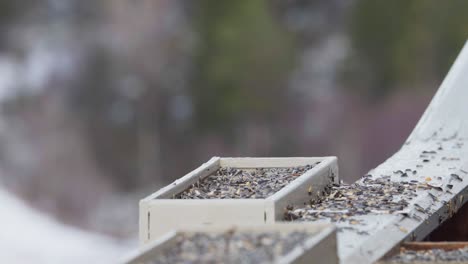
(437, 150)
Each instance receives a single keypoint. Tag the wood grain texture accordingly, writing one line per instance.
(438, 150)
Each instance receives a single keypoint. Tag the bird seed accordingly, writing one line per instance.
(231, 247)
(432, 255)
(342, 202)
(234, 183)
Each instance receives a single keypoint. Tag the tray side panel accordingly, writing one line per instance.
(321, 250)
(268, 162)
(183, 183)
(307, 187)
(282, 227)
(165, 215)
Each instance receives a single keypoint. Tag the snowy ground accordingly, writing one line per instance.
(27, 236)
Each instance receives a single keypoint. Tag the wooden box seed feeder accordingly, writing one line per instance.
(165, 210)
(244, 244)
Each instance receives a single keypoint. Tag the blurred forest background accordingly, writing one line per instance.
(103, 102)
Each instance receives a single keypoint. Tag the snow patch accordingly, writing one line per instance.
(27, 236)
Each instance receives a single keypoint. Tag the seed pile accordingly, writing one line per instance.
(230, 247)
(433, 255)
(233, 183)
(381, 196)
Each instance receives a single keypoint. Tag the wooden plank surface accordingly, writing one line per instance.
(437, 150)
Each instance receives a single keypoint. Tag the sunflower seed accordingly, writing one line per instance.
(343, 202)
(233, 183)
(431, 255)
(230, 247)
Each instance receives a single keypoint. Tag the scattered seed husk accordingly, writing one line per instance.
(402, 229)
(416, 217)
(432, 255)
(345, 202)
(230, 247)
(234, 183)
(434, 198)
(456, 177)
(419, 208)
(363, 233)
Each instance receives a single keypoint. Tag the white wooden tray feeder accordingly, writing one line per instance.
(319, 246)
(160, 213)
